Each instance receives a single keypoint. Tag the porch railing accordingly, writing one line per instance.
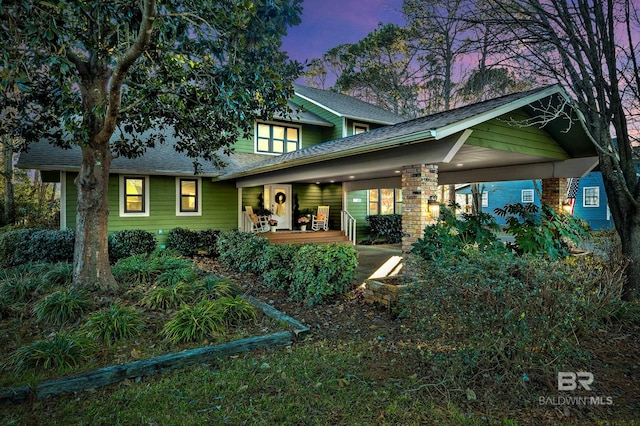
(349, 226)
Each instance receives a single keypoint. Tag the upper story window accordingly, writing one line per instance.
(277, 139)
(360, 128)
(527, 196)
(188, 196)
(134, 196)
(385, 201)
(591, 196)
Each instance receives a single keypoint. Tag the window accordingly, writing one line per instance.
(591, 196)
(360, 128)
(134, 196)
(276, 139)
(385, 201)
(188, 197)
(527, 196)
(485, 199)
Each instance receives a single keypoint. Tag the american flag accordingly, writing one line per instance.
(572, 190)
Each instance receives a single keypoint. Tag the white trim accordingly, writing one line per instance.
(356, 124)
(530, 198)
(275, 123)
(350, 117)
(457, 145)
(198, 196)
(63, 200)
(240, 214)
(584, 196)
(484, 202)
(121, 192)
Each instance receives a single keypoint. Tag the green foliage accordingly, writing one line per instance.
(321, 271)
(135, 270)
(168, 296)
(61, 307)
(386, 228)
(60, 274)
(242, 251)
(131, 242)
(20, 287)
(508, 315)
(189, 243)
(114, 323)
(452, 236)
(213, 287)
(194, 323)
(173, 277)
(278, 273)
(234, 310)
(62, 351)
(542, 231)
(36, 245)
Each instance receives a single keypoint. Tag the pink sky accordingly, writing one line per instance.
(328, 23)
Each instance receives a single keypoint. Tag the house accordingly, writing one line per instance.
(339, 151)
(588, 199)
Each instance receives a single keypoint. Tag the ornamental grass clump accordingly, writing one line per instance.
(114, 323)
(61, 351)
(194, 323)
(234, 310)
(163, 297)
(61, 307)
(213, 287)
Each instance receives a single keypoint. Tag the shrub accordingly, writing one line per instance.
(189, 243)
(386, 228)
(278, 273)
(242, 252)
(36, 245)
(542, 231)
(62, 351)
(321, 271)
(61, 307)
(131, 242)
(114, 323)
(194, 323)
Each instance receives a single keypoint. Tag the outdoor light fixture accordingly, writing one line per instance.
(566, 206)
(434, 207)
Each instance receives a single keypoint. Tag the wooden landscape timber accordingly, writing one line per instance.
(116, 373)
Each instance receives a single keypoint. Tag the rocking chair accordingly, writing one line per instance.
(321, 219)
(258, 223)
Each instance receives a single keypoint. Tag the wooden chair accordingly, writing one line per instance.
(321, 219)
(258, 223)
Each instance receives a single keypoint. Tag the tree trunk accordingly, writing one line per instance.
(631, 250)
(476, 199)
(91, 268)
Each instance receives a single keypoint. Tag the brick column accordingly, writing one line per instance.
(554, 193)
(419, 182)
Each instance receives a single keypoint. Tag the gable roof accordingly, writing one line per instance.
(431, 127)
(347, 106)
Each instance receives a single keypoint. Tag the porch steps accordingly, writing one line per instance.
(299, 237)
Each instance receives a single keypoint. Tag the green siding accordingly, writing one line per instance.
(359, 212)
(328, 134)
(219, 207)
(498, 134)
(252, 196)
(310, 196)
(350, 124)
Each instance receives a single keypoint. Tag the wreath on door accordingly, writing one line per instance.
(280, 199)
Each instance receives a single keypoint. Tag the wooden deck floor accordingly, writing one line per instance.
(299, 237)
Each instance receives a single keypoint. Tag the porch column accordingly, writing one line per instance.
(554, 193)
(419, 182)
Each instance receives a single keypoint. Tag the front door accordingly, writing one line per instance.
(278, 200)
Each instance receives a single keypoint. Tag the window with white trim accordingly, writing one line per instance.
(276, 138)
(360, 128)
(188, 196)
(591, 196)
(134, 196)
(485, 199)
(527, 196)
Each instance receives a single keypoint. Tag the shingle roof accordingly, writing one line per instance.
(303, 116)
(348, 106)
(414, 130)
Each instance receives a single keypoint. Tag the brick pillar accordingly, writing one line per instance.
(419, 182)
(554, 193)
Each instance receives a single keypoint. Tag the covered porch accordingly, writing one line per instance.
(528, 135)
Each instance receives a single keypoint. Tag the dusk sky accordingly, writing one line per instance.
(328, 23)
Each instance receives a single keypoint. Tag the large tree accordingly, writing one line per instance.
(200, 70)
(591, 47)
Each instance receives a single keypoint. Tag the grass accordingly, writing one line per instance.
(311, 384)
